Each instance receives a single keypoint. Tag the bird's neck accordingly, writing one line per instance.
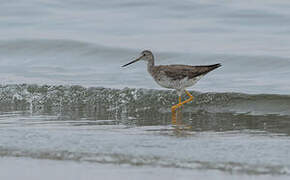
(150, 65)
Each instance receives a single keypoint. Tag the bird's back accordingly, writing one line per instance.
(179, 76)
(179, 72)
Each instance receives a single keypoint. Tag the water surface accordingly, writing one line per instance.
(133, 127)
(65, 97)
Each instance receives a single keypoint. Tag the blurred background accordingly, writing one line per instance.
(85, 42)
(65, 97)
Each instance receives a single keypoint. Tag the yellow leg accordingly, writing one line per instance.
(174, 112)
(173, 108)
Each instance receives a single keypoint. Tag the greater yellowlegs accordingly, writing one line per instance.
(175, 76)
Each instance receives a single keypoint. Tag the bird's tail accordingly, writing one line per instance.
(206, 69)
(214, 66)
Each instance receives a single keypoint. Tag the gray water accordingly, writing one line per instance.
(229, 132)
(65, 97)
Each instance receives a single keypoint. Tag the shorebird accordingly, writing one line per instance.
(175, 76)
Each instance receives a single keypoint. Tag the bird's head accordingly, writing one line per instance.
(145, 56)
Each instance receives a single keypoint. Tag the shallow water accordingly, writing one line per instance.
(32, 169)
(65, 97)
(113, 126)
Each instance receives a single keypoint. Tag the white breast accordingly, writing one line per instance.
(166, 82)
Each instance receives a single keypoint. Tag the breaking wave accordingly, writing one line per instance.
(208, 111)
(49, 98)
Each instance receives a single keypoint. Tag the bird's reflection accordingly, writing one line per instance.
(177, 121)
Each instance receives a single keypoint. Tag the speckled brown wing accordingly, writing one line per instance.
(178, 72)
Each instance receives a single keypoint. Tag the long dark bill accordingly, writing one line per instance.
(133, 61)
